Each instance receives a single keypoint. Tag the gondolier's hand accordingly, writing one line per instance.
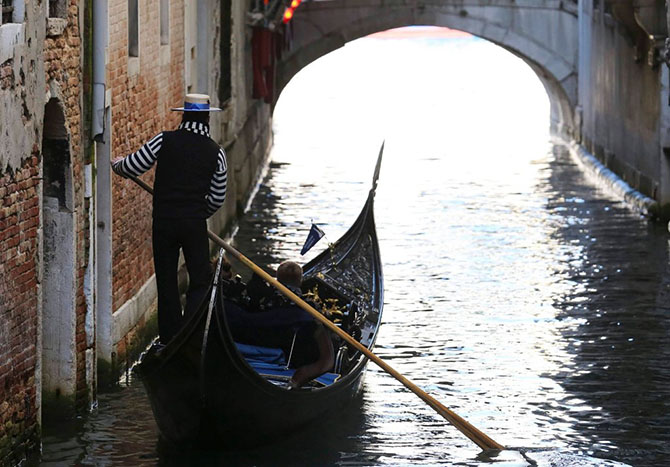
(116, 166)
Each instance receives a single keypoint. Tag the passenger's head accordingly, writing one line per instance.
(290, 273)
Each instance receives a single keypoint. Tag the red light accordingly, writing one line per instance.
(288, 14)
(295, 4)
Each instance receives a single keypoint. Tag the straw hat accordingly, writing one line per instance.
(196, 103)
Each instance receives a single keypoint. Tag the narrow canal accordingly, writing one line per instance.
(518, 293)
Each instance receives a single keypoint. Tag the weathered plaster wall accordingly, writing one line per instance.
(620, 102)
(21, 86)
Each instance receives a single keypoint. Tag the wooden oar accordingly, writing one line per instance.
(475, 435)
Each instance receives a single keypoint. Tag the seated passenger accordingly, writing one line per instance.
(304, 341)
(316, 357)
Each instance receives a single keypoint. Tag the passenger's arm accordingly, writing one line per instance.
(323, 364)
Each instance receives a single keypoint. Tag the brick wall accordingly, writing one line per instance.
(19, 244)
(140, 109)
(142, 92)
(19, 221)
(39, 65)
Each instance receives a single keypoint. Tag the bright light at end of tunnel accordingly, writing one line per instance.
(421, 32)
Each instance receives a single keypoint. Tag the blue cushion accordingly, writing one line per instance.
(271, 362)
(269, 369)
(257, 353)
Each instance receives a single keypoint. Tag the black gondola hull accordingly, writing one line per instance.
(233, 406)
(210, 395)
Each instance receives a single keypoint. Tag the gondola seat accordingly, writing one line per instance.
(271, 363)
(257, 353)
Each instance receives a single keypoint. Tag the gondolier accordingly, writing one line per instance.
(190, 186)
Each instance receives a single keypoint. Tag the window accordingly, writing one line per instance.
(57, 9)
(12, 11)
(7, 11)
(165, 21)
(133, 29)
(57, 19)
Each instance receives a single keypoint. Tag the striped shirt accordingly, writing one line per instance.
(137, 163)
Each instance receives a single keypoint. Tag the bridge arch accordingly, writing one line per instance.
(544, 34)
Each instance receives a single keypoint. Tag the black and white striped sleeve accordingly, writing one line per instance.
(135, 164)
(217, 188)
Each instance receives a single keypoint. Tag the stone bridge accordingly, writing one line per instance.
(544, 33)
(602, 62)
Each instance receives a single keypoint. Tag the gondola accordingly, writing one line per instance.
(206, 389)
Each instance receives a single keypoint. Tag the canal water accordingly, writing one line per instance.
(517, 292)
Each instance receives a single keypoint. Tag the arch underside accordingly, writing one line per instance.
(545, 38)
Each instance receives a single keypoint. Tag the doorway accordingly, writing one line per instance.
(59, 267)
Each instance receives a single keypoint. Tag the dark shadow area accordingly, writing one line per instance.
(260, 227)
(319, 442)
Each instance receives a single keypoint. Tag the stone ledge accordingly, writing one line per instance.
(126, 318)
(133, 66)
(56, 26)
(165, 54)
(641, 203)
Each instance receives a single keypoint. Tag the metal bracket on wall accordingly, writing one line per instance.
(651, 17)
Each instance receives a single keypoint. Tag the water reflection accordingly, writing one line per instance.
(340, 433)
(616, 327)
(120, 431)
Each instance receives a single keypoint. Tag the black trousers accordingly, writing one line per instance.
(169, 236)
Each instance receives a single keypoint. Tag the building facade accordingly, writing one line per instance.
(83, 82)
(44, 219)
